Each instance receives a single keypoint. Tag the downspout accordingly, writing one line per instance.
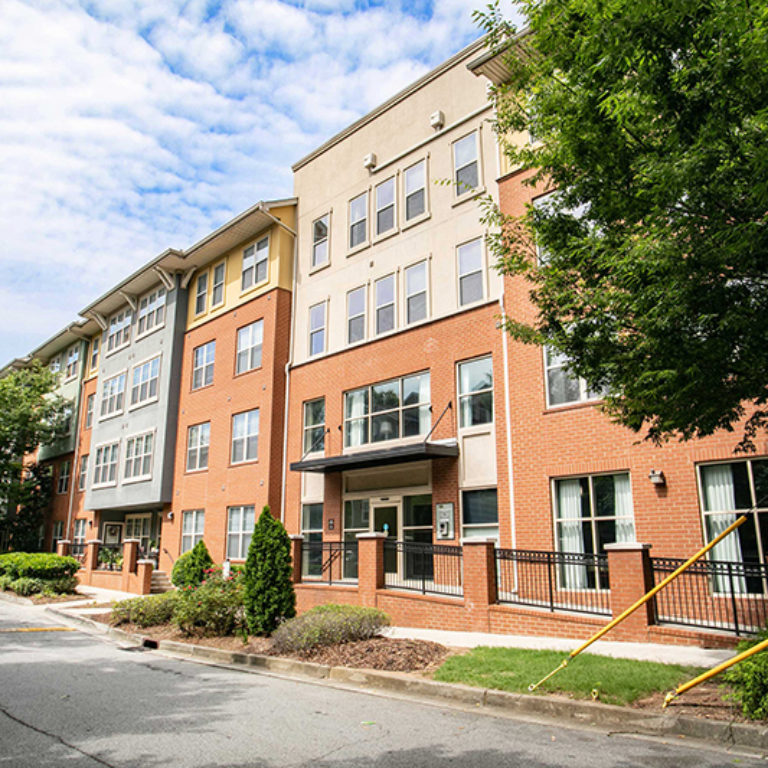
(508, 420)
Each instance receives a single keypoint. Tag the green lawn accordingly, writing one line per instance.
(619, 681)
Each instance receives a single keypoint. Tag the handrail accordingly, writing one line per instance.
(434, 426)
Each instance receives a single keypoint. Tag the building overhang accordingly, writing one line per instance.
(400, 454)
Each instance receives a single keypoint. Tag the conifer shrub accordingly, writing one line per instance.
(269, 595)
(189, 569)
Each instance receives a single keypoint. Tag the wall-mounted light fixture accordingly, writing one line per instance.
(170, 515)
(656, 476)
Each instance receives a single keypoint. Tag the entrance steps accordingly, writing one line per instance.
(160, 583)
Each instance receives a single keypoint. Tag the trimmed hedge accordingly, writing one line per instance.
(37, 565)
(145, 611)
(215, 608)
(26, 586)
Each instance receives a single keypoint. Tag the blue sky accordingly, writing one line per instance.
(130, 126)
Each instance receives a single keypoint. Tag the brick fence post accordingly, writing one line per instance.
(91, 562)
(62, 547)
(370, 566)
(479, 581)
(144, 570)
(629, 572)
(297, 541)
(130, 556)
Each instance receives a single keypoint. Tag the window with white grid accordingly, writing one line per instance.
(198, 442)
(239, 531)
(255, 261)
(249, 342)
(105, 465)
(145, 381)
(113, 395)
(202, 364)
(138, 457)
(192, 526)
(119, 331)
(245, 436)
(151, 311)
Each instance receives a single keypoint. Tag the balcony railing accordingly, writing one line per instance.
(423, 567)
(332, 562)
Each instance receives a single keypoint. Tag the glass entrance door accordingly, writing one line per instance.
(386, 519)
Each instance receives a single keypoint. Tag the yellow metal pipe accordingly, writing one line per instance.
(714, 671)
(647, 596)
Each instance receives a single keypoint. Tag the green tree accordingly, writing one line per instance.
(269, 594)
(651, 121)
(30, 416)
(189, 569)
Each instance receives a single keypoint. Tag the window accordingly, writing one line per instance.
(385, 304)
(562, 386)
(726, 490)
(105, 465)
(83, 476)
(317, 329)
(476, 392)
(470, 272)
(239, 531)
(202, 365)
(415, 190)
(55, 365)
(249, 342)
(57, 534)
(312, 531)
(151, 311)
(192, 525)
(358, 220)
(95, 344)
(89, 410)
(217, 294)
(255, 264)
(63, 484)
(119, 331)
(198, 442)
(465, 170)
(591, 512)
(201, 293)
(72, 359)
(385, 206)
(356, 315)
(417, 526)
(145, 378)
(416, 292)
(320, 240)
(112, 395)
(314, 425)
(480, 513)
(79, 532)
(387, 411)
(245, 436)
(138, 457)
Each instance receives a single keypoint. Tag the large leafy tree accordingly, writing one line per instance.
(650, 120)
(30, 416)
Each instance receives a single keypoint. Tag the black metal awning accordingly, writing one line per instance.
(400, 454)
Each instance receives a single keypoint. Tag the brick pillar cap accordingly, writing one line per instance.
(64, 541)
(373, 535)
(296, 536)
(477, 540)
(145, 562)
(131, 541)
(94, 541)
(626, 546)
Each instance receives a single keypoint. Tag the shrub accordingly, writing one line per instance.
(145, 611)
(749, 679)
(213, 608)
(328, 625)
(38, 565)
(26, 586)
(64, 585)
(5, 582)
(190, 568)
(269, 595)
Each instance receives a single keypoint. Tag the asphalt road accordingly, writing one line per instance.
(72, 700)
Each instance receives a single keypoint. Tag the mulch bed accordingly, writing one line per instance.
(704, 701)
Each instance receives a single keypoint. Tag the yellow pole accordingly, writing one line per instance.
(644, 599)
(672, 695)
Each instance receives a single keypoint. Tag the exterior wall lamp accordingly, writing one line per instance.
(656, 476)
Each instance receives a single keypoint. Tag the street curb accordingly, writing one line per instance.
(577, 713)
(5, 597)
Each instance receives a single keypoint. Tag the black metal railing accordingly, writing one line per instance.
(557, 581)
(77, 550)
(329, 561)
(110, 557)
(423, 567)
(713, 594)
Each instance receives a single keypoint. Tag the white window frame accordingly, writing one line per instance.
(201, 294)
(461, 191)
(467, 397)
(585, 395)
(198, 438)
(218, 284)
(310, 434)
(150, 316)
(241, 535)
(424, 263)
(78, 531)
(380, 208)
(317, 242)
(381, 305)
(251, 422)
(317, 330)
(82, 478)
(131, 456)
(137, 387)
(255, 256)
(479, 529)
(463, 275)
(205, 366)
(62, 481)
(197, 517)
(54, 366)
(406, 193)
(362, 290)
(101, 468)
(352, 223)
(57, 533)
(252, 353)
(90, 404)
(119, 330)
(94, 353)
(73, 358)
(118, 395)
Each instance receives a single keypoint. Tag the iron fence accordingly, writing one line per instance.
(423, 567)
(713, 594)
(558, 581)
(329, 561)
(110, 557)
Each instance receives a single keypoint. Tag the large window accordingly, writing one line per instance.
(356, 315)
(358, 220)
(192, 527)
(480, 513)
(470, 265)
(198, 442)
(151, 312)
(79, 531)
(245, 436)
(73, 356)
(90, 400)
(57, 534)
(138, 457)
(95, 344)
(119, 330)
(387, 411)
(415, 190)
(144, 384)
(385, 206)
(217, 289)
(312, 531)
(476, 392)
(320, 240)
(64, 471)
(314, 425)
(562, 386)
(385, 304)
(105, 465)
(416, 292)
(239, 531)
(203, 358)
(465, 168)
(317, 329)
(113, 395)
(249, 342)
(255, 260)
(591, 512)
(83, 477)
(201, 293)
